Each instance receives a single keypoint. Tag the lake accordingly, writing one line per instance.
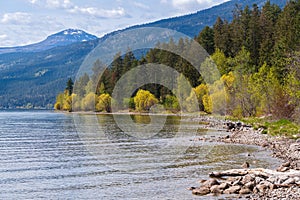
(51, 155)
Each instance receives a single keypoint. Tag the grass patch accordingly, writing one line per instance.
(281, 127)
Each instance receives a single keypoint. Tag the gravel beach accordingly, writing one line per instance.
(282, 183)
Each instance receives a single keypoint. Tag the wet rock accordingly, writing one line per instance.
(245, 165)
(215, 189)
(191, 188)
(233, 190)
(238, 181)
(258, 180)
(282, 179)
(282, 169)
(272, 179)
(289, 181)
(250, 185)
(209, 183)
(261, 188)
(245, 191)
(248, 178)
(223, 186)
(287, 164)
(201, 191)
(295, 147)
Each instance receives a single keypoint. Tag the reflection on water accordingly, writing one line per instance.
(65, 156)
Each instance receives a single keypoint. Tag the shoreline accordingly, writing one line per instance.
(282, 147)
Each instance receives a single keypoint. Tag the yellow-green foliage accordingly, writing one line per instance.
(207, 102)
(89, 102)
(200, 91)
(171, 103)
(144, 100)
(104, 103)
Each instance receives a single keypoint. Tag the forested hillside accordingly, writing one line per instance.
(257, 54)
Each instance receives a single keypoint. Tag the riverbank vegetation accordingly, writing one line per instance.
(257, 55)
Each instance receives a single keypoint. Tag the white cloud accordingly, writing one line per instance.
(194, 4)
(2, 37)
(70, 7)
(16, 18)
(33, 1)
(59, 4)
(141, 5)
(98, 12)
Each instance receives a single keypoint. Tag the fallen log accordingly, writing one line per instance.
(260, 172)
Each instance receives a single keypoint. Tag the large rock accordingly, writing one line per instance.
(223, 186)
(261, 188)
(289, 181)
(245, 191)
(201, 191)
(233, 190)
(248, 178)
(209, 183)
(250, 185)
(215, 189)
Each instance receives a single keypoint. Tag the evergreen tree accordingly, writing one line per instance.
(206, 39)
(69, 87)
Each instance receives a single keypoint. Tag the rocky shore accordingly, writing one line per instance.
(280, 183)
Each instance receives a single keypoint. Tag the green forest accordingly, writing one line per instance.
(257, 55)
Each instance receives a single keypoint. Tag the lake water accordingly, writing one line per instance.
(48, 155)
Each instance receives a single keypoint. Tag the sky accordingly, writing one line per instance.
(25, 22)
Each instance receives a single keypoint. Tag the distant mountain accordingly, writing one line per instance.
(192, 24)
(36, 73)
(62, 38)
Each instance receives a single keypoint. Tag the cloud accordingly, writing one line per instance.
(59, 4)
(33, 1)
(98, 12)
(2, 37)
(16, 18)
(70, 7)
(141, 5)
(190, 4)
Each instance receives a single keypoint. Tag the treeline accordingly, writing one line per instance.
(257, 55)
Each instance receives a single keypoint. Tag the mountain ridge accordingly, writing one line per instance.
(62, 38)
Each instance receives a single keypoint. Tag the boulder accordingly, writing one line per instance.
(245, 191)
(215, 189)
(201, 191)
(209, 183)
(248, 178)
(250, 185)
(233, 190)
(289, 181)
(223, 186)
(245, 165)
(261, 188)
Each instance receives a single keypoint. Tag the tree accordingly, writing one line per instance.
(171, 103)
(80, 85)
(200, 92)
(69, 87)
(144, 100)
(206, 39)
(89, 102)
(268, 19)
(222, 38)
(254, 35)
(104, 103)
(221, 61)
(59, 101)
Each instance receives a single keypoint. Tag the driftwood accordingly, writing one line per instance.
(260, 172)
